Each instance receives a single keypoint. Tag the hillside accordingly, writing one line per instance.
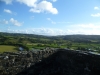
(29, 41)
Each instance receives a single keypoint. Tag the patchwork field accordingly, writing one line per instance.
(7, 48)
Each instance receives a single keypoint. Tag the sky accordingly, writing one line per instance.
(50, 17)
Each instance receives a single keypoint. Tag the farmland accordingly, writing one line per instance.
(30, 41)
(7, 48)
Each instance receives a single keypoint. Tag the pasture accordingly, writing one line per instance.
(7, 48)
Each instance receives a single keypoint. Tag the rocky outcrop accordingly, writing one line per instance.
(13, 63)
(49, 62)
(66, 62)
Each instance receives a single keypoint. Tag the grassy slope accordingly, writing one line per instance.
(6, 48)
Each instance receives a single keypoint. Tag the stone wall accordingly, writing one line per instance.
(49, 62)
(66, 62)
(13, 63)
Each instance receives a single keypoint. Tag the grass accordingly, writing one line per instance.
(7, 48)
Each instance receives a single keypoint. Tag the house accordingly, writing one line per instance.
(21, 49)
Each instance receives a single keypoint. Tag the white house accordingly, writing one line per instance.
(21, 49)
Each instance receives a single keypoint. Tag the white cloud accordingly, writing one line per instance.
(54, 0)
(77, 29)
(38, 7)
(7, 1)
(96, 8)
(15, 22)
(87, 29)
(44, 6)
(12, 21)
(8, 11)
(86, 32)
(30, 3)
(35, 10)
(95, 15)
(3, 21)
(41, 31)
(53, 22)
(49, 19)
(92, 26)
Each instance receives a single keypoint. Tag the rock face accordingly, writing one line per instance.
(66, 62)
(13, 63)
(50, 62)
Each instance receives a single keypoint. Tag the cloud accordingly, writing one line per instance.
(96, 8)
(8, 11)
(88, 29)
(49, 19)
(7, 1)
(73, 29)
(53, 22)
(40, 31)
(86, 32)
(15, 22)
(38, 7)
(35, 10)
(30, 3)
(3, 21)
(54, 0)
(12, 21)
(95, 15)
(44, 6)
(89, 26)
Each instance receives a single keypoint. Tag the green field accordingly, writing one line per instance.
(7, 48)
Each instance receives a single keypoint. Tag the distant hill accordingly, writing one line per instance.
(64, 37)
